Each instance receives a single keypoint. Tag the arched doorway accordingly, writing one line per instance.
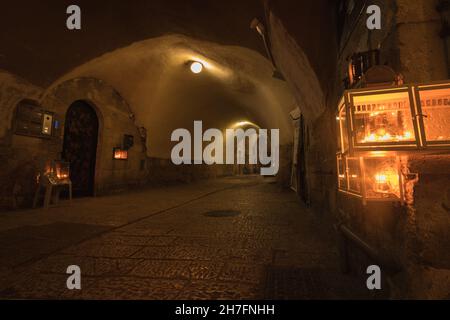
(80, 146)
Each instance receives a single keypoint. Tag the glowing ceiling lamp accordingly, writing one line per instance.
(196, 67)
(245, 124)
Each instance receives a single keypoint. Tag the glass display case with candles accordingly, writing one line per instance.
(54, 175)
(62, 170)
(433, 104)
(371, 178)
(381, 119)
(57, 172)
(382, 179)
(378, 125)
(120, 154)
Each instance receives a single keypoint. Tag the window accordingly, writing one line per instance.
(342, 176)
(383, 118)
(435, 107)
(382, 178)
(354, 174)
(32, 120)
(342, 128)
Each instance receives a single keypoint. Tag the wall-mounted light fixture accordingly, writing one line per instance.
(120, 154)
(128, 141)
(196, 67)
(261, 29)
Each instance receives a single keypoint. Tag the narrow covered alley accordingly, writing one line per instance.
(235, 238)
(239, 150)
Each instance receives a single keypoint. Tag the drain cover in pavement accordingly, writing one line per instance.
(222, 213)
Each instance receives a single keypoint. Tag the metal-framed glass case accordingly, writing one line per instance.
(399, 118)
(371, 178)
(433, 108)
(376, 125)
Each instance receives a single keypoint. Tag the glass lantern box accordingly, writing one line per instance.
(399, 119)
(376, 125)
(371, 178)
(433, 102)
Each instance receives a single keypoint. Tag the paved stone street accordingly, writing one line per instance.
(232, 238)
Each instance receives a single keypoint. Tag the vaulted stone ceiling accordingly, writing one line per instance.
(37, 45)
(141, 49)
(154, 77)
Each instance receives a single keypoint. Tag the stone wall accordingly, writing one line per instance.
(19, 155)
(306, 58)
(163, 171)
(23, 156)
(411, 235)
(414, 236)
(115, 120)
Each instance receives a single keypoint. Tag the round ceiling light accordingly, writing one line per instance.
(196, 67)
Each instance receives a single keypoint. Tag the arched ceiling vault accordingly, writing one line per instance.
(302, 36)
(155, 79)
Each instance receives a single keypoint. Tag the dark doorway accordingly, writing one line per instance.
(80, 147)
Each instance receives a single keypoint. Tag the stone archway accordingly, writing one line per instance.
(114, 117)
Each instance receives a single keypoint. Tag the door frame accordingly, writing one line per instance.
(97, 165)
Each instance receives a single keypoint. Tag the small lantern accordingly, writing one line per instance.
(433, 103)
(379, 124)
(62, 170)
(120, 154)
(382, 179)
(414, 117)
(372, 178)
(55, 172)
(378, 119)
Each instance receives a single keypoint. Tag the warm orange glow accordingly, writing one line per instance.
(383, 117)
(381, 178)
(62, 170)
(244, 123)
(120, 154)
(378, 153)
(435, 105)
(383, 99)
(382, 136)
(386, 182)
(62, 176)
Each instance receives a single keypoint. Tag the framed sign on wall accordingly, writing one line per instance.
(31, 120)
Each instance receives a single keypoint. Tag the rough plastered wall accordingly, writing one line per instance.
(386, 227)
(22, 156)
(422, 59)
(236, 85)
(18, 155)
(115, 121)
(416, 236)
(306, 58)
